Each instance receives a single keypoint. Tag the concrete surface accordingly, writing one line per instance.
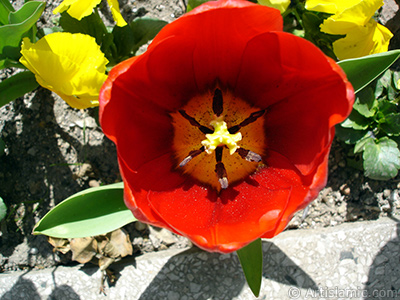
(351, 261)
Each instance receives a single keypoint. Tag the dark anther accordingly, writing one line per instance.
(220, 168)
(191, 155)
(249, 155)
(252, 118)
(221, 174)
(217, 104)
(193, 122)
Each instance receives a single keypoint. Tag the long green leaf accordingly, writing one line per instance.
(361, 71)
(16, 86)
(9, 63)
(251, 259)
(20, 23)
(88, 213)
(5, 9)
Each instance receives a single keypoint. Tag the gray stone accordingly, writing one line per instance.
(358, 259)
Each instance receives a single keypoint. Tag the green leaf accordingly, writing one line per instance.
(356, 121)
(91, 25)
(16, 86)
(5, 9)
(396, 79)
(381, 159)
(366, 103)
(3, 209)
(9, 63)
(385, 108)
(251, 259)
(311, 22)
(88, 213)
(361, 71)
(359, 146)
(349, 135)
(194, 3)
(124, 40)
(382, 83)
(392, 92)
(144, 30)
(20, 24)
(391, 124)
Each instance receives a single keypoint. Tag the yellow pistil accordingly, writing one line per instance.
(221, 136)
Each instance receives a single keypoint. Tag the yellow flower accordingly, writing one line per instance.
(353, 18)
(282, 5)
(114, 6)
(363, 40)
(82, 8)
(71, 65)
(330, 6)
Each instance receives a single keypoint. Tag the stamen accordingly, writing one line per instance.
(220, 169)
(249, 155)
(217, 104)
(221, 173)
(191, 155)
(193, 122)
(252, 118)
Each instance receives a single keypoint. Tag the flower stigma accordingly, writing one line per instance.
(221, 136)
(231, 124)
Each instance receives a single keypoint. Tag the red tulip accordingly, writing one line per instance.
(223, 127)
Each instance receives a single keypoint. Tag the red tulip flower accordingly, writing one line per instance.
(223, 127)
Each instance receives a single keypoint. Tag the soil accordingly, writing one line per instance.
(53, 151)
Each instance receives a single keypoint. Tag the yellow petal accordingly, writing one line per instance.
(70, 65)
(332, 26)
(282, 5)
(381, 38)
(77, 8)
(357, 15)
(362, 41)
(63, 6)
(331, 7)
(114, 6)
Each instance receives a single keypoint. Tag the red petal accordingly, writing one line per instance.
(301, 201)
(105, 92)
(219, 47)
(155, 175)
(304, 95)
(243, 212)
(147, 90)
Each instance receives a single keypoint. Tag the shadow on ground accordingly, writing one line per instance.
(211, 275)
(384, 273)
(37, 172)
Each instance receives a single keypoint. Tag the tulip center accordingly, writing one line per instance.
(218, 139)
